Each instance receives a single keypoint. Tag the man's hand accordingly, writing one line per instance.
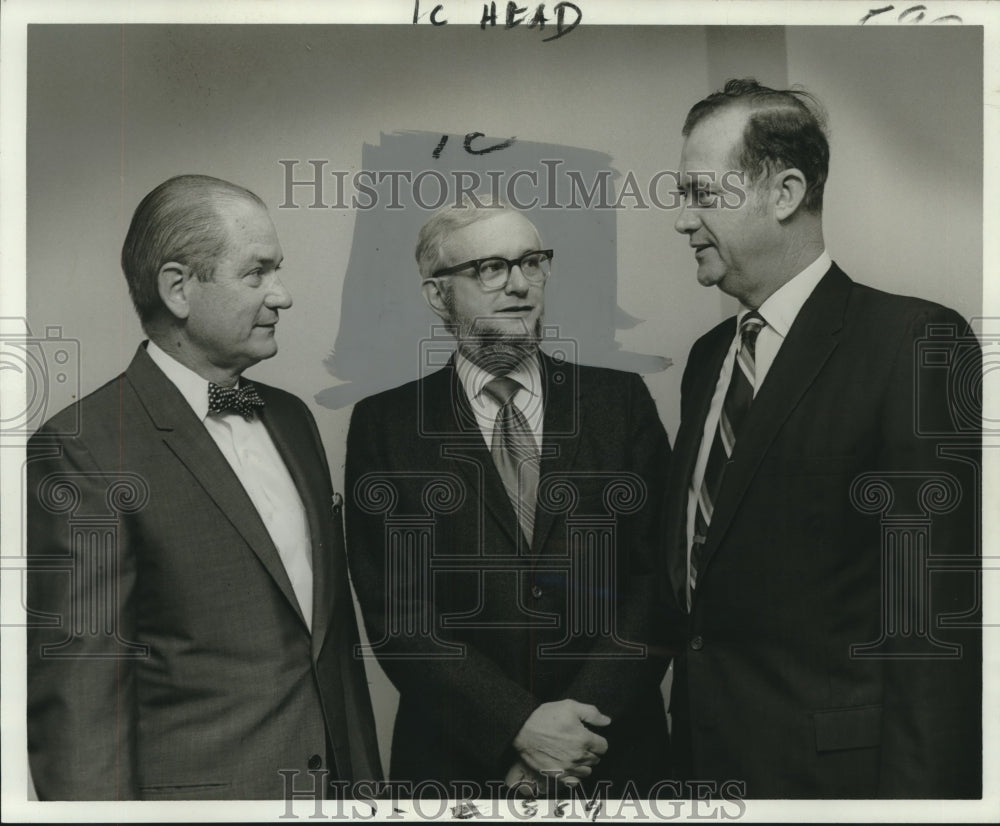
(554, 739)
(523, 780)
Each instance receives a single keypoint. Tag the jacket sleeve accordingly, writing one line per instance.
(931, 718)
(613, 683)
(80, 598)
(358, 719)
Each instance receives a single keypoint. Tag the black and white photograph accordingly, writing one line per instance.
(446, 410)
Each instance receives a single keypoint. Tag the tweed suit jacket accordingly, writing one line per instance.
(170, 660)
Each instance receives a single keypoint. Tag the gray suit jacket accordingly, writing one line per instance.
(167, 657)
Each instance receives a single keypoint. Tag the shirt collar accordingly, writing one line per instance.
(782, 306)
(474, 378)
(191, 386)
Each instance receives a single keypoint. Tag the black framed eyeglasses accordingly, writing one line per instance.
(494, 272)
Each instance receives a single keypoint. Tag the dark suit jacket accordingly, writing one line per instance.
(468, 625)
(188, 671)
(769, 690)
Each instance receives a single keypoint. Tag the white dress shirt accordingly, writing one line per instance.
(256, 462)
(529, 399)
(778, 311)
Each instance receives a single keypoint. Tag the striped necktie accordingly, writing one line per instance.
(739, 395)
(515, 453)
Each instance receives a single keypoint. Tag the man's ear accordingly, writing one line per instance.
(434, 297)
(172, 282)
(790, 191)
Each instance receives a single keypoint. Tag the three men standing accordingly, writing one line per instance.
(503, 516)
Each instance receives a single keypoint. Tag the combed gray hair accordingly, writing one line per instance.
(446, 221)
(178, 221)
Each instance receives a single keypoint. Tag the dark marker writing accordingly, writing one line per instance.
(473, 135)
(434, 12)
(913, 14)
(515, 15)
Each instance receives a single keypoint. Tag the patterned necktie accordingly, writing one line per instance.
(515, 453)
(739, 395)
(243, 399)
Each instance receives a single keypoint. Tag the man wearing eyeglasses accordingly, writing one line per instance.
(519, 641)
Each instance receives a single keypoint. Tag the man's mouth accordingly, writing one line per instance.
(517, 308)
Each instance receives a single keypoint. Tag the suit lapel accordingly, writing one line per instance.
(813, 337)
(705, 377)
(447, 409)
(298, 451)
(446, 415)
(188, 439)
(560, 434)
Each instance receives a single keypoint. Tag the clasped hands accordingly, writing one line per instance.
(555, 742)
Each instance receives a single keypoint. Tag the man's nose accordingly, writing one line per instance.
(687, 220)
(516, 282)
(278, 298)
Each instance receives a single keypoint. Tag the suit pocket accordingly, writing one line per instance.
(848, 728)
(187, 791)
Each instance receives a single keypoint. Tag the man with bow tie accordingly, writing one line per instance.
(202, 647)
(501, 523)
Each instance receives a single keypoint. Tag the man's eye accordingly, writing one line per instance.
(492, 267)
(704, 197)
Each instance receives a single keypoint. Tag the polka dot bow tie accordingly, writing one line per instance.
(243, 400)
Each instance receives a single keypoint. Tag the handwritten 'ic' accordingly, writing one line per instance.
(467, 143)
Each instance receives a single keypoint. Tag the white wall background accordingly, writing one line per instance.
(113, 111)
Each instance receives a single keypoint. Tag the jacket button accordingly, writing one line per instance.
(315, 762)
(536, 592)
(697, 643)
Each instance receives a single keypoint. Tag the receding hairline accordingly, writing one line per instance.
(225, 221)
(444, 224)
(525, 221)
(730, 110)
